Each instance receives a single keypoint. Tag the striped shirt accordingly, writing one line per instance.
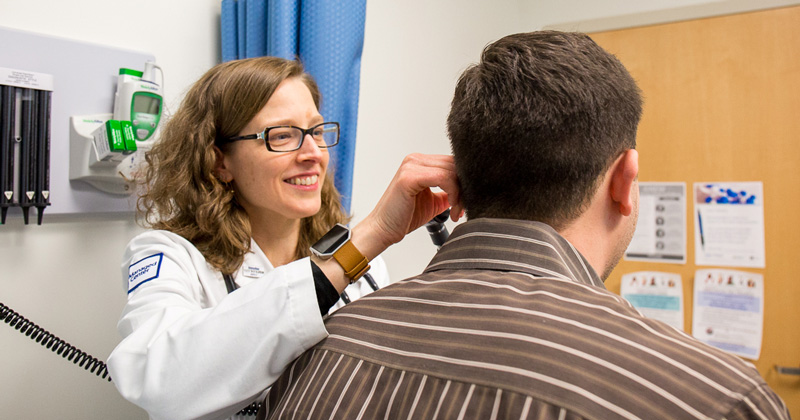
(509, 321)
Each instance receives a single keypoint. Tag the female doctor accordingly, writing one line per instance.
(224, 292)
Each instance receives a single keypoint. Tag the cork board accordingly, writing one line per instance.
(722, 103)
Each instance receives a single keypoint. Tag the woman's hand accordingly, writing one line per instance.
(409, 202)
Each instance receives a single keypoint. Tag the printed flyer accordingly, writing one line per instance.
(656, 295)
(729, 310)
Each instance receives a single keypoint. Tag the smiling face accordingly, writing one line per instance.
(278, 187)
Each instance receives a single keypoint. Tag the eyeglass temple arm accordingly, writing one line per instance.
(259, 136)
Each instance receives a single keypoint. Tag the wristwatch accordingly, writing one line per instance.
(336, 243)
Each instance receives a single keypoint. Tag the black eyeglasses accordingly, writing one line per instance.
(288, 138)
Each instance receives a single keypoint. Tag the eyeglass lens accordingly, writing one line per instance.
(291, 138)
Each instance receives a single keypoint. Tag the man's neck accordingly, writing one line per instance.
(590, 242)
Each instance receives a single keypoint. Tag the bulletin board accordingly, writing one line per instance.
(722, 103)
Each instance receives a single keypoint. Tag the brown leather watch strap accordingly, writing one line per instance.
(354, 263)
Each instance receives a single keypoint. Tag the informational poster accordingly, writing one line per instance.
(656, 295)
(729, 224)
(729, 310)
(661, 230)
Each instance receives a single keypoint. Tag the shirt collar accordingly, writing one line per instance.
(513, 245)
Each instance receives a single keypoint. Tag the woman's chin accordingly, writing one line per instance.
(308, 211)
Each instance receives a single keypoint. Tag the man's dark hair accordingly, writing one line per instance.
(535, 124)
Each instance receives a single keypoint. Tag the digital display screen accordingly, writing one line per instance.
(146, 104)
(333, 239)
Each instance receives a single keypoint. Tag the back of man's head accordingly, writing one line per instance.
(535, 124)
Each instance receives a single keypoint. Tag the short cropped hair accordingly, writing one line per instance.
(535, 124)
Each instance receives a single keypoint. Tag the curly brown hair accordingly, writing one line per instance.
(179, 190)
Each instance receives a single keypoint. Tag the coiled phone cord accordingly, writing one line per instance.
(53, 343)
(70, 352)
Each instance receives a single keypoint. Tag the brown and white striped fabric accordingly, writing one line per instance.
(509, 321)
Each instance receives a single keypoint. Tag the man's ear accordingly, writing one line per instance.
(220, 169)
(623, 180)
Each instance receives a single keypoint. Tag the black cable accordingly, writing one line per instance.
(371, 281)
(53, 343)
(345, 298)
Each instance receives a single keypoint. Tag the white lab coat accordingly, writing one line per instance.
(191, 350)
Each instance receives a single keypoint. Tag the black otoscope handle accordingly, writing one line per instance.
(42, 197)
(437, 229)
(7, 113)
(28, 154)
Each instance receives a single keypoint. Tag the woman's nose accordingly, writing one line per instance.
(309, 149)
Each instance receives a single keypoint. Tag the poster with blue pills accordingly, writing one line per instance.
(729, 224)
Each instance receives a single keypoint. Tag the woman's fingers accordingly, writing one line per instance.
(409, 202)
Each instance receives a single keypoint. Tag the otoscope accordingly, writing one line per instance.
(7, 112)
(437, 229)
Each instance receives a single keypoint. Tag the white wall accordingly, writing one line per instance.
(414, 52)
(65, 277)
(65, 274)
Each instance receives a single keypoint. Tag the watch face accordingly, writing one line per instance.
(332, 240)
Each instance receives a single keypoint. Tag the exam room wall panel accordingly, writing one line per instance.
(722, 95)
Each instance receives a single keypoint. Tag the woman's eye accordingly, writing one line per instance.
(280, 137)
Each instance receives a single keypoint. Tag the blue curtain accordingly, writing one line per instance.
(328, 37)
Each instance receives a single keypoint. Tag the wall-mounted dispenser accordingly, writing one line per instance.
(96, 156)
(106, 149)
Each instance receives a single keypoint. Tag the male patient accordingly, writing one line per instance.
(511, 319)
